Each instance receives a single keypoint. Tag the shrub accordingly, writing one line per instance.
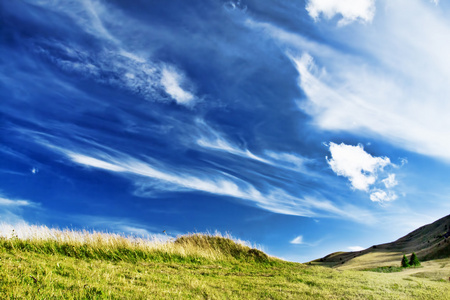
(405, 263)
(414, 261)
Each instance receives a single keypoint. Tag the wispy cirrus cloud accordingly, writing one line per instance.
(375, 98)
(110, 62)
(219, 143)
(290, 161)
(378, 89)
(149, 176)
(213, 140)
(277, 201)
(14, 203)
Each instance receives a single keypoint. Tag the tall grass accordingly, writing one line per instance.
(116, 247)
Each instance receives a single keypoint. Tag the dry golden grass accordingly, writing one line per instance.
(372, 260)
(191, 245)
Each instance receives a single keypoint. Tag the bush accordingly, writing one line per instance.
(414, 261)
(405, 263)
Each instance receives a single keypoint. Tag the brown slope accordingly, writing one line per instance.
(429, 242)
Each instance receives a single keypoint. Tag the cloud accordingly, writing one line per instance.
(350, 10)
(391, 89)
(378, 81)
(289, 160)
(11, 210)
(297, 241)
(390, 181)
(93, 162)
(118, 68)
(363, 171)
(382, 196)
(14, 203)
(212, 139)
(171, 80)
(150, 176)
(355, 248)
(218, 143)
(356, 164)
(109, 62)
(215, 184)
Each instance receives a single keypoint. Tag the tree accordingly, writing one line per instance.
(405, 262)
(414, 261)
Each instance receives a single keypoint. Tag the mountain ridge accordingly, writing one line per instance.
(429, 242)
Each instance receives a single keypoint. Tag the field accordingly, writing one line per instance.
(52, 264)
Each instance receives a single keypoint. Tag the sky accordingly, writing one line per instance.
(303, 127)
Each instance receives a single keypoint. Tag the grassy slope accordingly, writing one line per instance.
(193, 267)
(429, 242)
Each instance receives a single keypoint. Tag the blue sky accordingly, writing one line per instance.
(305, 127)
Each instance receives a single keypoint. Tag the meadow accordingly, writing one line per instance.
(41, 263)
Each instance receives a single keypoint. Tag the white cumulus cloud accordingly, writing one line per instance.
(356, 164)
(363, 171)
(350, 10)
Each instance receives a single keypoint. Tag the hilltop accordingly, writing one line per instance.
(54, 264)
(429, 242)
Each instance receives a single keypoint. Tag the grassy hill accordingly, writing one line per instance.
(53, 264)
(429, 242)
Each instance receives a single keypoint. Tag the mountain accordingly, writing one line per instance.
(429, 242)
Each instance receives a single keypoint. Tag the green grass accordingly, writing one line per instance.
(387, 269)
(96, 266)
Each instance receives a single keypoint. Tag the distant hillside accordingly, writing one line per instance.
(429, 242)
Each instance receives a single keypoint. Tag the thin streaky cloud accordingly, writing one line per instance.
(14, 203)
(346, 93)
(275, 199)
(114, 65)
(211, 139)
